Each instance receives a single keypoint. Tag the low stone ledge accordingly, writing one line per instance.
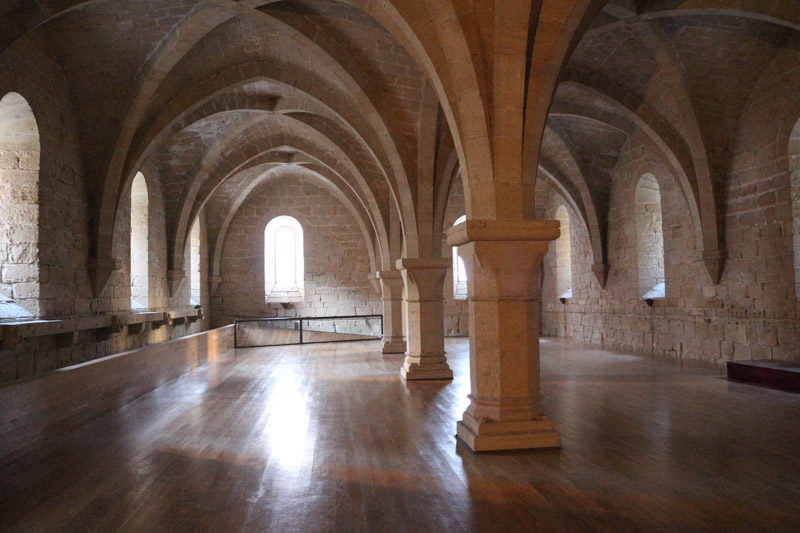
(11, 333)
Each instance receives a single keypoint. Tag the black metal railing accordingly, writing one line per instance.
(281, 331)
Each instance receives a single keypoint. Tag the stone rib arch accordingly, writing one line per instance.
(284, 156)
(583, 200)
(698, 193)
(776, 13)
(301, 138)
(253, 72)
(586, 210)
(293, 171)
(269, 147)
(178, 114)
(184, 36)
(426, 29)
(345, 61)
(449, 173)
(552, 44)
(160, 128)
(784, 128)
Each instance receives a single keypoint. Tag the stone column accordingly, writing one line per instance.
(392, 292)
(503, 261)
(425, 355)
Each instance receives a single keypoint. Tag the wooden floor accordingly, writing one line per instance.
(327, 438)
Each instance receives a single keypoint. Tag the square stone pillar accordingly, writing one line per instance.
(503, 260)
(425, 355)
(392, 293)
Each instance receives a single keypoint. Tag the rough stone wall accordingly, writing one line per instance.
(556, 320)
(456, 312)
(19, 209)
(337, 267)
(752, 313)
(28, 70)
(42, 354)
(63, 226)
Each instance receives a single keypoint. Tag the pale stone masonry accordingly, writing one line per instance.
(378, 124)
(338, 280)
(751, 314)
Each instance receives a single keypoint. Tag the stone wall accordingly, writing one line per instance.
(63, 232)
(338, 277)
(19, 211)
(751, 314)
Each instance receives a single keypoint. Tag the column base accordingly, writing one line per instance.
(419, 368)
(394, 347)
(513, 435)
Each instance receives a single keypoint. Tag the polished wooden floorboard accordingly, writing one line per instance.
(328, 438)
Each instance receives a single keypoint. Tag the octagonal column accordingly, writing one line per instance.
(503, 259)
(392, 293)
(425, 355)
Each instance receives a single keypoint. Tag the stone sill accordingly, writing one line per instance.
(11, 333)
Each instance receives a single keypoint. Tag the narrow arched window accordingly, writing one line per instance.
(194, 264)
(140, 245)
(794, 168)
(650, 239)
(459, 269)
(283, 260)
(19, 209)
(563, 255)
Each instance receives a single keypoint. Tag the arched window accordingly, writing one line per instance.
(563, 256)
(794, 168)
(650, 238)
(140, 247)
(459, 269)
(194, 264)
(283, 260)
(19, 209)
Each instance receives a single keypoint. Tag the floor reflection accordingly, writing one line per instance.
(286, 427)
(328, 438)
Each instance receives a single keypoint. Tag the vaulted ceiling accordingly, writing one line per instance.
(213, 96)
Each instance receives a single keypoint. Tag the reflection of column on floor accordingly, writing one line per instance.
(392, 293)
(503, 259)
(425, 355)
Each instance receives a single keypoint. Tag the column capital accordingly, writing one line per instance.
(388, 274)
(503, 270)
(423, 263)
(503, 230)
(391, 284)
(423, 277)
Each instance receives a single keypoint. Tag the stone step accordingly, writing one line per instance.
(780, 374)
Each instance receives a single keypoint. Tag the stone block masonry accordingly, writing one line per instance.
(338, 277)
(751, 314)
